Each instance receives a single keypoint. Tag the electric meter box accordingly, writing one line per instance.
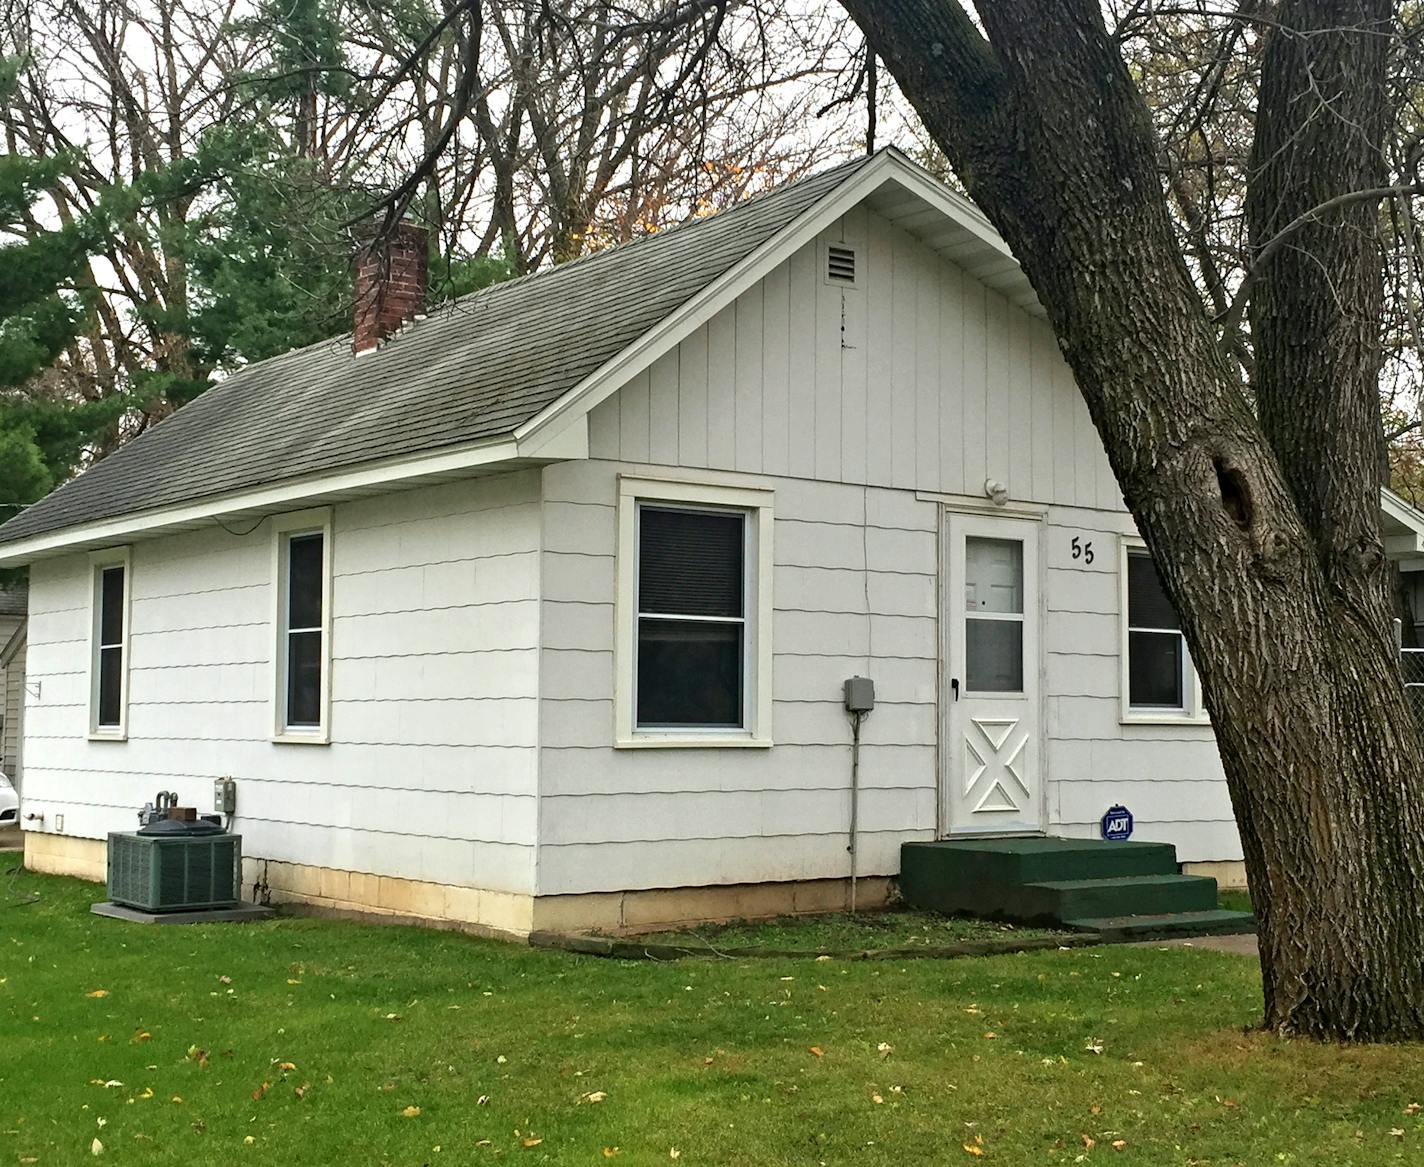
(859, 694)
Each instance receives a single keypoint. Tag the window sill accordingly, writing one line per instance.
(295, 738)
(692, 742)
(1186, 720)
(108, 735)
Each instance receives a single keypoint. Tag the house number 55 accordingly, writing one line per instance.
(1083, 549)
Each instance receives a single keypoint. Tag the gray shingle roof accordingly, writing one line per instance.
(475, 369)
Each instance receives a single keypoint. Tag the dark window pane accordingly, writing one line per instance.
(304, 678)
(993, 656)
(690, 562)
(1154, 670)
(111, 685)
(111, 606)
(304, 582)
(689, 673)
(1147, 603)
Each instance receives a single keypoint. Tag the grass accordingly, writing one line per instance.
(842, 932)
(1233, 900)
(302, 1042)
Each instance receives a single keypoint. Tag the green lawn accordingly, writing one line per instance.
(310, 1042)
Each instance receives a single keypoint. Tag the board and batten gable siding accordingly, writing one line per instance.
(920, 378)
(431, 770)
(614, 819)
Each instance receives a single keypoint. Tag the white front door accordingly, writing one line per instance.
(991, 766)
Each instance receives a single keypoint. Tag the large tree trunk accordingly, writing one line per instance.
(1266, 537)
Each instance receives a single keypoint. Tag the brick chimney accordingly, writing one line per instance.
(390, 285)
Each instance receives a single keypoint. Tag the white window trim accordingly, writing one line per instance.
(757, 503)
(309, 522)
(98, 562)
(1195, 711)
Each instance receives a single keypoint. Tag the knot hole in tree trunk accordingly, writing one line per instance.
(1235, 493)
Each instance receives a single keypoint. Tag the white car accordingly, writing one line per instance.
(9, 803)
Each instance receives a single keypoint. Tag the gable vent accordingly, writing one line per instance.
(840, 264)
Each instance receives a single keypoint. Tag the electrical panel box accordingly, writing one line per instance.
(859, 694)
(224, 796)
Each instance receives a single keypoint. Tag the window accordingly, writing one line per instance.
(694, 615)
(303, 626)
(108, 667)
(1159, 681)
(993, 615)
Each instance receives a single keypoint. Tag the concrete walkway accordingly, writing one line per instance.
(1244, 945)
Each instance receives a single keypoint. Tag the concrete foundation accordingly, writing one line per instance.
(486, 912)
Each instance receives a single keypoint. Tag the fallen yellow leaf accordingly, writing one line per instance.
(98, 993)
(971, 1149)
(609, 1152)
(531, 1142)
(411, 1112)
(818, 1051)
(96, 1147)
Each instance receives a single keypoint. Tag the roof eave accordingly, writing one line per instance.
(486, 457)
(1402, 527)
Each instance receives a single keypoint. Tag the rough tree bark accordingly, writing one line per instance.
(1265, 530)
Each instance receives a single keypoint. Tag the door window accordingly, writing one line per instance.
(993, 615)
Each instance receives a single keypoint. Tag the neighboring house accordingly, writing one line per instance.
(13, 605)
(12, 704)
(537, 614)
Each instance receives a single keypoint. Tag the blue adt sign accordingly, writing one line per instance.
(1117, 824)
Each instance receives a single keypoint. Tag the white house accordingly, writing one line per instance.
(537, 614)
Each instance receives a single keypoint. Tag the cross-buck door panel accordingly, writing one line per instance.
(991, 779)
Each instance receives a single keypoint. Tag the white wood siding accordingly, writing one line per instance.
(921, 378)
(848, 403)
(1168, 775)
(431, 774)
(616, 819)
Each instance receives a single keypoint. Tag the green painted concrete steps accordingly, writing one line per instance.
(1062, 899)
(1217, 922)
(1062, 881)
